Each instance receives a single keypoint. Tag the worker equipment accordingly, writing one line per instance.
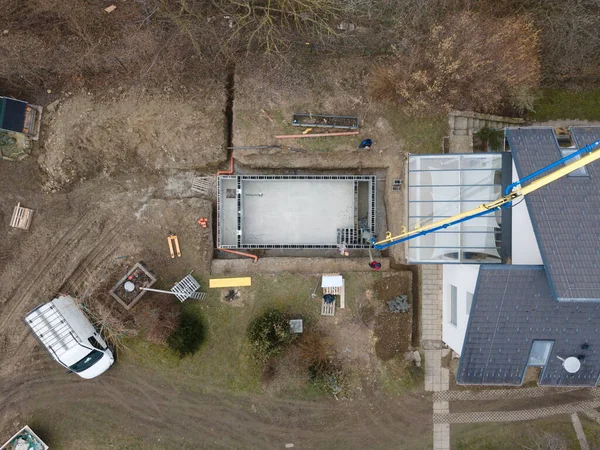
(514, 191)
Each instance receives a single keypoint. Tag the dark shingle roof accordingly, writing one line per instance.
(512, 307)
(565, 214)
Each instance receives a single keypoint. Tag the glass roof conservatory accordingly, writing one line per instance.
(441, 186)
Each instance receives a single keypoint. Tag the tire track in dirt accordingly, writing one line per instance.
(27, 286)
(107, 243)
(79, 236)
(212, 420)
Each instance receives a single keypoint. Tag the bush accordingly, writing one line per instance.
(469, 61)
(159, 318)
(269, 334)
(188, 337)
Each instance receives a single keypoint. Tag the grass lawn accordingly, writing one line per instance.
(419, 135)
(224, 361)
(591, 429)
(553, 432)
(556, 104)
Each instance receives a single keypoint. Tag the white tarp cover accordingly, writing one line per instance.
(332, 281)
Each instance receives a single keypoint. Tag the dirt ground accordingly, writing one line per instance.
(124, 130)
(109, 180)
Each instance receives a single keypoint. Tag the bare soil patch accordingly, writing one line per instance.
(265, 100)
(392, 331)
(107, 135)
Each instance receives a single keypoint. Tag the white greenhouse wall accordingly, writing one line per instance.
(524, 245)
(464, 278)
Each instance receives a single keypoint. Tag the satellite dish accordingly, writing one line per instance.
(571, 364)
(129, 286)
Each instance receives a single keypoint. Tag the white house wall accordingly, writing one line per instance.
(524, 245)
(464, 277)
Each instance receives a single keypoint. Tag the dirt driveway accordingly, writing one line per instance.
(130, 408)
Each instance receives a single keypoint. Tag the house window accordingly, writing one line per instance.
(540, 352)
(469, 302)
(453, 305)
(582, 171)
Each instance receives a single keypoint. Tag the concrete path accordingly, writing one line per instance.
(503, 394)
(436, 376)
(515, 416)
(583, 443)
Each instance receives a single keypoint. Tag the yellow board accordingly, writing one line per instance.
(229, 282)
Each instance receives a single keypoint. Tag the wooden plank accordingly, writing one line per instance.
(229, 282)
(343, 295)
(294, 136)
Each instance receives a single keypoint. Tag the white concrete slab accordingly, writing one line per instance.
(296, 212)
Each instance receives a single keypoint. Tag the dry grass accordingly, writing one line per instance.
(104, 313)
(469, 61)
(159, 318)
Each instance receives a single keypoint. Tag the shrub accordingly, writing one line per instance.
(159, 318)
(269, 334)
(188, 337)
(468, 61)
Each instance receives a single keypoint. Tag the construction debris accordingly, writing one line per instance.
(172, 239)
(399, 304)
(21, 217)
(110, 9)
(183, 289)
(325, 121)
(203, 221)
(205, 186)
(25, 439)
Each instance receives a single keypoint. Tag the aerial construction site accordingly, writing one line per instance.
(245, 235)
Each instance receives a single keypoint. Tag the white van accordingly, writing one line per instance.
(70, 337)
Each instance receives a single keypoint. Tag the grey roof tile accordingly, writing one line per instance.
(565, 214)
(513, 307)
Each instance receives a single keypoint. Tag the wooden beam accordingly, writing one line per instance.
(294, 136)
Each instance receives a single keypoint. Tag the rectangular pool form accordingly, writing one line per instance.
(295, 211)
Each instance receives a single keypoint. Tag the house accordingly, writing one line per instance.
(520, 289)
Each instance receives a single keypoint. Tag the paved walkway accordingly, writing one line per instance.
(436, 376)
(504, 394)
(515, 416)
(583, 443)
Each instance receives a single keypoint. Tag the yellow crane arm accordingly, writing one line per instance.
(514, 192)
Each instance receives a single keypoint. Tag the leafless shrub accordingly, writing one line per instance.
(104, 313)
(469, 61)
(159, 318)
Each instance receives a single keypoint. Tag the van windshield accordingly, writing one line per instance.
(87, 362)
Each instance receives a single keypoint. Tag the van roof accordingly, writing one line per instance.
(54, 331)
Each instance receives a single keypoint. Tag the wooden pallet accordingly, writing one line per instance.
(327, 309)
(204, 185)
(21, 217)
